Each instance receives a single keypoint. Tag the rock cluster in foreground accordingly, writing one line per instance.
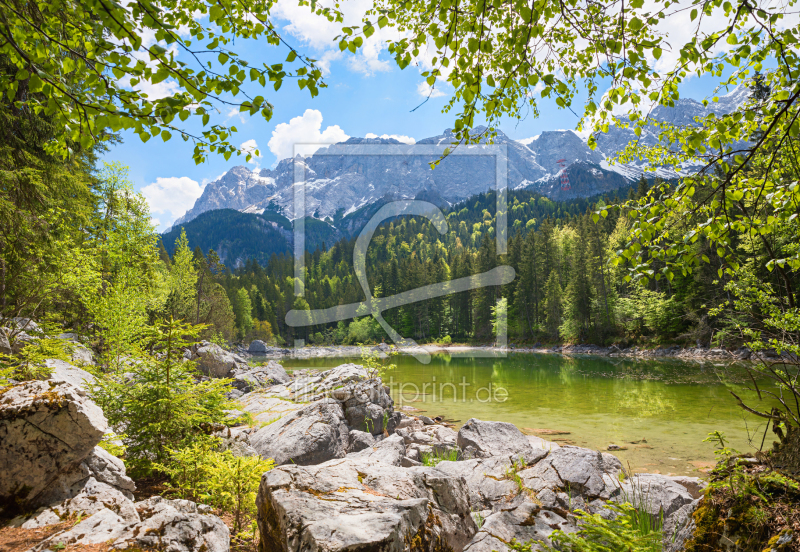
(344, 481)
(50, 465)
(352, 474)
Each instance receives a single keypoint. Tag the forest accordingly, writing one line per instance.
(565, 290)
(154, 324)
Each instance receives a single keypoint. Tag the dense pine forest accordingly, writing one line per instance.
(565, 290)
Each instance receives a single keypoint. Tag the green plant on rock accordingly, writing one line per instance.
(374, 364)
(512, 473)
(29, 364)
(624, 533)
(437, 455)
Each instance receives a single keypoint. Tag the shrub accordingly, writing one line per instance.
(157, 402)
(374, 364)
(447, 340)
(219, 479)
(29, 363)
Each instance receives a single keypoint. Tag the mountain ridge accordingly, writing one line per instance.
(339, 181)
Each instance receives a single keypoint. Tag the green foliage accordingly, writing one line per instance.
(123, 284)
(156, 399)
(29, 364)
(629, 531)
(447, 340)
(478, 518)
(182, 281)
(500, 317)
(375, 365)
(242, 311)
(438, 455)
(220, 479)
(113, 444)
(721, 450)
(512, 473)
(769, 325)
(86, 67)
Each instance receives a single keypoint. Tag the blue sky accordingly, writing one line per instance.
(366, 93)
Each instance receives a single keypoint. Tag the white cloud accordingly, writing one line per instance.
(399, 137)
(251, 147)
(318, 34)
(170, 197)
(235, 113)
(426, 90)
(306, 133)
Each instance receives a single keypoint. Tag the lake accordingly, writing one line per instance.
(659, 410)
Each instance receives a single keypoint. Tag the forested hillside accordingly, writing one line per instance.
(565, 289)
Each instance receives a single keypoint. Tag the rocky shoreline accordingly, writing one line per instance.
(260, 350)
(351, 472)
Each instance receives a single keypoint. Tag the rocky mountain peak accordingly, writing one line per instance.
(341, 181)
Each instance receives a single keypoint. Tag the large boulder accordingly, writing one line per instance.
(268, 405)
(315, 433)
(361, 504)
(258, 347)
(216, 362)
(487, 480)
(587, 473)
(484, 439)
(312, 387)
(260, 377)
(75, 492)
(366, 405)
(658, 494)
(46, 427)
(161, 524)
(390, 451)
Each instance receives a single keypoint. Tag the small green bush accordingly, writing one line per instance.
(158, 402)
(29, 363)
(447, 340)
(219, 479)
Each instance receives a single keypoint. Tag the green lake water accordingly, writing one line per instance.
(660, 410)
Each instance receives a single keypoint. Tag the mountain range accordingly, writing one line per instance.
(345, 182)
(339, 181)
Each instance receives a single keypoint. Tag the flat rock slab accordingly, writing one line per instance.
(170, 525)
(360, 504)
(269, 404)
(66, 372)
